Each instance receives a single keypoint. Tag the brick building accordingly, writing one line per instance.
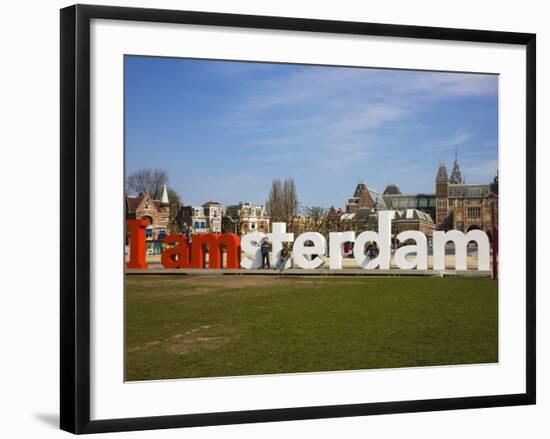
(465, 206)
(455, 204)
(362, 212)
(365, 198)
(155, 212)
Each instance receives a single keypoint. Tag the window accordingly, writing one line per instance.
(203, 225)
(146, 206)
(473, 212)
(197, 224)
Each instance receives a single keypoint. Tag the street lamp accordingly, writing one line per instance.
(493, 198)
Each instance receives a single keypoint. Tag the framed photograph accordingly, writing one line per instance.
(268, 219)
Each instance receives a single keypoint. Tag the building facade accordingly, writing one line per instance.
(213, 213)
(362, 209)
(194, 218)
(245, 218)
(155, 212)
(455, 204)
(395, 200)
(465, 206)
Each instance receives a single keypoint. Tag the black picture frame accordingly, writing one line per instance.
(75, 217)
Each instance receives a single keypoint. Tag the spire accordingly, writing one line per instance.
(456, 175)
(164, 199)
(441, 173)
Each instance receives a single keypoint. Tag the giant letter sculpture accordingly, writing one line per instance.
(137, 243)
(461, 241)
(178, 256)
(420, 261)
(382, 238)
(250, 245)
(215, 243)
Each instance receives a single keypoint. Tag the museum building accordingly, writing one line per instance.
(454, 205)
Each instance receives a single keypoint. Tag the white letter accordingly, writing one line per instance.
(461, 241)
(299, 250)
(249, 245)
(382, 238)
(421, 250)
(336, 241)
(277, 238)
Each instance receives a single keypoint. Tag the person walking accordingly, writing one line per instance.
(284, 256)
(264, 249)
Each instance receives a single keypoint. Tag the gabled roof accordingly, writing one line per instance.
(133, 203)
(365, 196)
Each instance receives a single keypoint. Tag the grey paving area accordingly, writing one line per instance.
(159, 270)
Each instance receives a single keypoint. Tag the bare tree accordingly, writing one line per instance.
(290, 198)
(282, 202)
(317, 216)
(275, 202)
(150, 181)
(175, 206)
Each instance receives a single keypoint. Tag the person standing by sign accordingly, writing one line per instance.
(188, 232)
(284, 256)
(264, 249)
(372, 251)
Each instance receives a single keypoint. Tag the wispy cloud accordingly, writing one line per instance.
(308, 122)
(338, 111)
(457, 139)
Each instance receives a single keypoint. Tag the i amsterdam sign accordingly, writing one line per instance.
(185, 255)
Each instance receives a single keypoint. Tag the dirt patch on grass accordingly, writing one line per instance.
(165, 286)
(204, 337)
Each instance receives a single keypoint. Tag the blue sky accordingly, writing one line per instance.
(224, 130)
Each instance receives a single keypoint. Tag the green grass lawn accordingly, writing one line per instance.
(202, 326)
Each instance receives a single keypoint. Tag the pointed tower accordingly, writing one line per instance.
(456, 175)
(441, 197)
(164, 199)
